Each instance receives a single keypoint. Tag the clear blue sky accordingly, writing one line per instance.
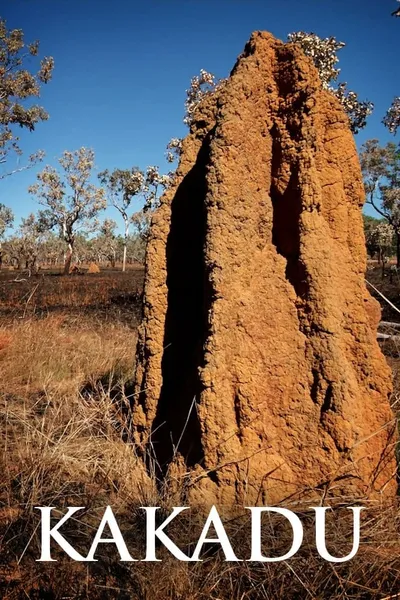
(122, 67)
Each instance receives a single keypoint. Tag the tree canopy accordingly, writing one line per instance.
(18, 86)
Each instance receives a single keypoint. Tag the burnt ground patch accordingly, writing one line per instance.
(106, 296)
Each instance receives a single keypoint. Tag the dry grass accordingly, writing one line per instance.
(56, 438)
(59, 446)
(66, 442)
(52, 357)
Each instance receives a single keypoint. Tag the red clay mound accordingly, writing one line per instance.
(93, 268)
(258, 361)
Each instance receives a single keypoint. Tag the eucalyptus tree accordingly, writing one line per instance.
(71, 202)
(18, 86)
(381, 170)
(31, 235)
(107, 242)
(122, 185)
(6, 221)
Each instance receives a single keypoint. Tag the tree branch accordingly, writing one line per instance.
(379, 211)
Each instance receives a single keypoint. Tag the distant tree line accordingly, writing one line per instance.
(31, 247)
(68, 229)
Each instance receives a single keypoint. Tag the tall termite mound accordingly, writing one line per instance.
(258, 370)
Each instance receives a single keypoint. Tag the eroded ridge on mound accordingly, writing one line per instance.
(258, 372)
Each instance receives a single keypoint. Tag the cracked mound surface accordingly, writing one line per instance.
(259, 374)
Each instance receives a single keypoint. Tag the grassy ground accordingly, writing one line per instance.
(67, 349)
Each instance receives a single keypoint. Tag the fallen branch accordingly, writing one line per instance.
(29, 299)
(386, 336)
(389, 324)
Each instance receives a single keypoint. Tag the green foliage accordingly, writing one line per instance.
(71, 201)
(379, 237)
(392, 117)
(121, 186)
(323, 52)
(381, 170)
(6, 219)
(17, 87)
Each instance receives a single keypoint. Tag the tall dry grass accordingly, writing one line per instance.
(60, 446)
(54, 357)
